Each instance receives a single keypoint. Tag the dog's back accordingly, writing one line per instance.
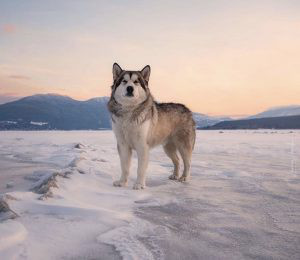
(172, 121)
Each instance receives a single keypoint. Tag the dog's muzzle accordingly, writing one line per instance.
(129, 90)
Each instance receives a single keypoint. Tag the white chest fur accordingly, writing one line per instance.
(130, 133)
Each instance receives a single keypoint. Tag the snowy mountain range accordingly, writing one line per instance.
(292, 110)
(285, 117)
(52, 111)
(280, 122)
(203, 120)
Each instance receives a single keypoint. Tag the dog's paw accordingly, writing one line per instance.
(173, 177)
(184, 178)
(138, 186)
(120, 183)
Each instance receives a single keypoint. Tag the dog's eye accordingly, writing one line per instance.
(124, 81)
(136, 82)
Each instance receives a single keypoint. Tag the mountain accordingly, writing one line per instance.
(283, 122)
(287, 117)
(51, 111)
(293, 110)
(204, 120)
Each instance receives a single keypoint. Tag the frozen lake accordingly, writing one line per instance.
(243, 200)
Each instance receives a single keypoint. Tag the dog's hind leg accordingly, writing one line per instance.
(125, 153)
(171, 151)
(186, 155)
(185, 144)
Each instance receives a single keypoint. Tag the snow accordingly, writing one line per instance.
(292, 110)
(243, 200)
(38, 123)
(9, 122)
(205, 120)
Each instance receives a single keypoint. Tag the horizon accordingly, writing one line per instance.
(219, 58)
(231, 116)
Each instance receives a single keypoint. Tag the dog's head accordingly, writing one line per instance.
(130, 88)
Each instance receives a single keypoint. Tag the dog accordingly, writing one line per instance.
(140, 123)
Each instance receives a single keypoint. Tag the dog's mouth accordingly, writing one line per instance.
(129, 95)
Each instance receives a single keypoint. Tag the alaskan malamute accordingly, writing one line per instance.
(140, 123)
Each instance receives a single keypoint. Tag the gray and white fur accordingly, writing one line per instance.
(140, 124)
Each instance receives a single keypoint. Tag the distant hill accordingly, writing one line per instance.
(283, 122)
(293, 110)
(56, 112)
(204, 120)
(50, 111)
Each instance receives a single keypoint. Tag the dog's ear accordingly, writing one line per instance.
(146, 72)
(117, 70)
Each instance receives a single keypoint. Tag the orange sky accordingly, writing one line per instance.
(217, 57)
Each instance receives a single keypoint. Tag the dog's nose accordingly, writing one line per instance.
(129, 89)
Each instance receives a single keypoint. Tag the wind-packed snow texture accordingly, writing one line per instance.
(243, 201)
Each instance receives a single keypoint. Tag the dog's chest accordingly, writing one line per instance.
(131, 133)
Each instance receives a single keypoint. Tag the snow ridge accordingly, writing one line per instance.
(75, 191)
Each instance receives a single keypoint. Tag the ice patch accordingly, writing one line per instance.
(127, 240)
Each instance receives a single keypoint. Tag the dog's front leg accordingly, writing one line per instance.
(143, 157)
(125, 153)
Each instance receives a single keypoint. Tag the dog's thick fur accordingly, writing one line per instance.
(140, 123)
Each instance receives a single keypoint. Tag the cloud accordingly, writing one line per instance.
(9, 28)
(19, 77)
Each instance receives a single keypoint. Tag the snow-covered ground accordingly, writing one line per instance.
(243, 201)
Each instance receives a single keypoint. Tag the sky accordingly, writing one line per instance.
(231, 58)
